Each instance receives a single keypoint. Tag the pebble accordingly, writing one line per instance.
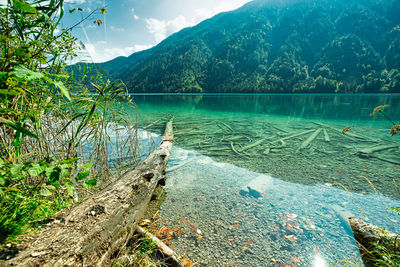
(38, 253)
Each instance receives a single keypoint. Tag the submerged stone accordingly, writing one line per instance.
(258, 186)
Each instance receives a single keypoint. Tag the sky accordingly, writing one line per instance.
(133, 25)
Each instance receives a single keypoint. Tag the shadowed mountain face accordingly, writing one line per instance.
(323, 46)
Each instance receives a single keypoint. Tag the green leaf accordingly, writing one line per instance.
(23, 6)
(3, 75)
(4, 181)
(8, 92)
(22, 72)
(69, 161)
(70, 189)
(60, 85)
(87, 166)
(91, 183)
(18, 127)
(17, 169)
(72, 10)
(56, 184)
(103, 10)
(47, 190)
(82, 175)
(53, 173)
(35, 170)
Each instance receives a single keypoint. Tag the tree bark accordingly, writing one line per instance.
(95, 232)
(368, 235)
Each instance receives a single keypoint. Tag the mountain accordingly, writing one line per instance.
(272, 46)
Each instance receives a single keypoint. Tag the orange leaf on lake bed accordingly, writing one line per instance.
(231, 239)
(290, 228)
(295, 260)
(185, 220)
(245, 247)
(291, 238)
(250, 242)
(199, 236)
(186, 262)
(219, 223)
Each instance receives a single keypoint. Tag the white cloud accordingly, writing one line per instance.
(162, 29)
(116, 29)
(101, 53)
(136, 17)
(222, 6)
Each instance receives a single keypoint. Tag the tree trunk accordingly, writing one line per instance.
(368, 236)
(95, 232)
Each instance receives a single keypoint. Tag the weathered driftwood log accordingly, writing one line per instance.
(95, 232)
(370, 150)
(310, 139)
(292, 136)
(348, 134)
(234, 149)
(226, 125)
(368, 234)
(171, 258)
(257, 143)
(326, 136)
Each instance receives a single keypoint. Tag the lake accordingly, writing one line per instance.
(313, 176)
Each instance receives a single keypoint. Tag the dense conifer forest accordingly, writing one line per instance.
(276, 47)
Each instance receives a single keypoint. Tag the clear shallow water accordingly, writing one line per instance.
(292, 221)
(224, 142)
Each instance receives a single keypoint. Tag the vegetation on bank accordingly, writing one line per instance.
(297, 46)
(54, 146)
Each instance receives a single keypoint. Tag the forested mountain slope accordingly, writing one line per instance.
(322, 46)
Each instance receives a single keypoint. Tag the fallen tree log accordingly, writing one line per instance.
(370, 150)
(310, 139)
(326, 136)
(257, 143)
(292, 136)
(370, 237)
(96, 231)
(348, 134)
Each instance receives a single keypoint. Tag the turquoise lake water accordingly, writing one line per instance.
(315, 176)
